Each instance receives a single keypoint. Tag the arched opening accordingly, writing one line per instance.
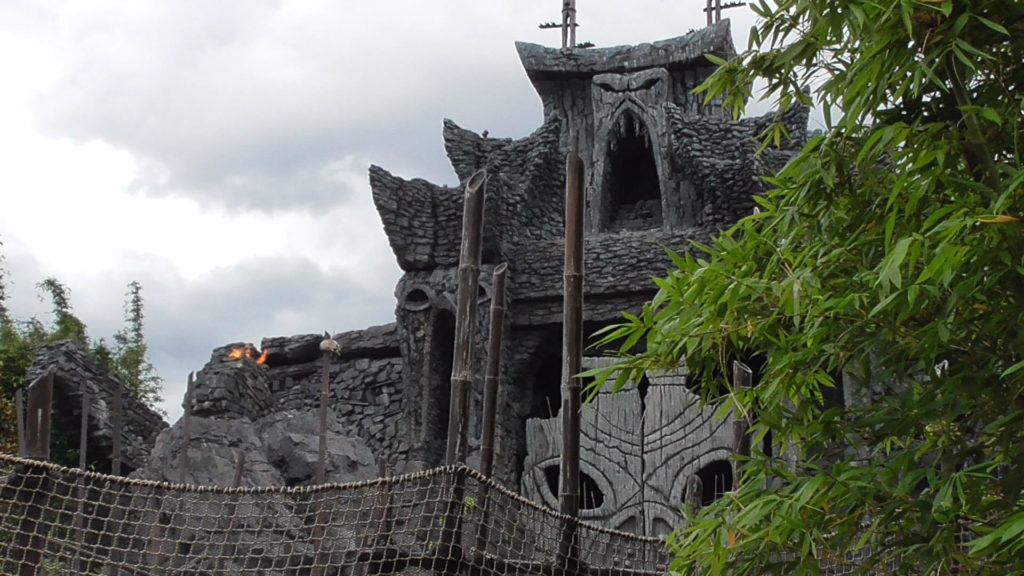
(716, 479)
(547, 388)
(591, 496)
(417, 299)
(438, 398)
(631, 187)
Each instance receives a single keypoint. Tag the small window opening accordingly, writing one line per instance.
(591, 496)
(417, 299)
(717, 480)
(547, 388)
(631, 187)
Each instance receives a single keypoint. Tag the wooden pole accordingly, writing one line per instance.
(83, 446)
(19, 406)
(465, 316)
(83, 440)
(694, 494)
(115, 464)
(37, 434)
(494, 342)
(572, 358)
(186, 424)
(327, 347)
(35, 485)
(449, 550)
(742, 379)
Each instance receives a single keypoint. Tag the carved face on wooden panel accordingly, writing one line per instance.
(638, 447)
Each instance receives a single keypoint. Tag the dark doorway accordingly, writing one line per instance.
(632, 191)
(591, 496)
(547, 388)
(717, 480)
(442, 350)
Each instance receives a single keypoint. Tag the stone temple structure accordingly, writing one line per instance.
(662, 170)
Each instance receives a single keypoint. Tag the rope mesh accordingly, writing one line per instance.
(449, 520)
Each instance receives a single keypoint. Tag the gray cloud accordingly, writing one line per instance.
(244, 102)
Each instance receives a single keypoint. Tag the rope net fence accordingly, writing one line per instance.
(453, 520)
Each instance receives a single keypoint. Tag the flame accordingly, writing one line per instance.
(248, 352)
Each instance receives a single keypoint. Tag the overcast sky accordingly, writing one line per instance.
(217, 152)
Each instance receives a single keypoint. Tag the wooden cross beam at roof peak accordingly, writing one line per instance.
(568, 25)
(714, 9)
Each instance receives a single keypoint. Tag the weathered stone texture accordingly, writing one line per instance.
(72, 365)
(663, 170)
(233, 388)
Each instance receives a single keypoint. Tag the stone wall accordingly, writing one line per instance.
(72, 366)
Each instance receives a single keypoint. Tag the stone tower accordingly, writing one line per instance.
(662, 169)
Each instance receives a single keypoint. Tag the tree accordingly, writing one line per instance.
(130, 361)
(889, 260)
(66, 325)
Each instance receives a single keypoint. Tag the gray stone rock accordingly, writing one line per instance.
(291, 443)
(72, 366)
(213, 453)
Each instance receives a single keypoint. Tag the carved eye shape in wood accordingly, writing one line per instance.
(591, 496)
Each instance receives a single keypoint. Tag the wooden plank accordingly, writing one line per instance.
(610, 455)
(679, 438)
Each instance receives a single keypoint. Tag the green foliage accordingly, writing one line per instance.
(129, 361)
(66, 326)
(21, 339)
(891, 250)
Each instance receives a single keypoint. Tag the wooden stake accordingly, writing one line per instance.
(572, 358)
(83, 445)
(37, 434)
(465, 317)
(449, 549)
(116, 422)
(35, 483)
(325, 394)
(494, 341)
(83, 440)
(19, 407)
(742, 379)
(186, 424)
(694, 494)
